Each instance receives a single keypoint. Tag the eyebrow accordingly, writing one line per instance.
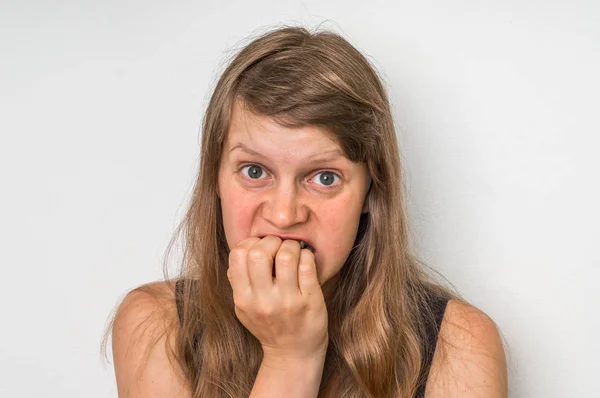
(318, 157)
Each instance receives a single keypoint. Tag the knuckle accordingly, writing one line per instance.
(237, 254)
(256, 254)
(285, 256)
(305, 269)
(307, 260)
(265, 311)
(291, 306)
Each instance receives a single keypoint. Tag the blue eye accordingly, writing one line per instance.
(326, 178)
(254, 171)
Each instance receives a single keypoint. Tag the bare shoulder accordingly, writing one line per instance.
(469, 360)
(143, 344)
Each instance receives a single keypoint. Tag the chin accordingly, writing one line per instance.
(331, 279)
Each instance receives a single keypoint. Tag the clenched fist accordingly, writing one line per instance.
(285, 312)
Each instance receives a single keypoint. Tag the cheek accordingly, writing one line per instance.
(340, 232)
(343, 222)
(237, 217)
(342, 238)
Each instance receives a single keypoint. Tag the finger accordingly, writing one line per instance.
(307, 273)
(286, 266)
(237, 273)
(260, 262)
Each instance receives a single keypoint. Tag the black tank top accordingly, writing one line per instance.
(436, 304)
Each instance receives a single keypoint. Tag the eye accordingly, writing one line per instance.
(254, 171)
(326, 178)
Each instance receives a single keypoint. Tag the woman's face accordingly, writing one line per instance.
(294, 183)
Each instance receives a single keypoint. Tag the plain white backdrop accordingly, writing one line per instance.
(497, 107)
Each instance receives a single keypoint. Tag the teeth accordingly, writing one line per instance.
(304, 245)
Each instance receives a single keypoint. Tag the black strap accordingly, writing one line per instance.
(438, 306)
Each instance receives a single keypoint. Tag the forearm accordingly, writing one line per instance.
(291, 379)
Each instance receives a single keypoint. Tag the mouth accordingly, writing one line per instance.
(304, 245)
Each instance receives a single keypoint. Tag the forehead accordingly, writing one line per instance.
(263, 132)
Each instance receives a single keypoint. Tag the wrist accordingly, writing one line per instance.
(284, 377)
(293, 363)
(289, 377)
(316, 351)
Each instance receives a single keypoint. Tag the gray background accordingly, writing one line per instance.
(497, 108)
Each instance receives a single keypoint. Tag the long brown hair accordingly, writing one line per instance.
(377, 316)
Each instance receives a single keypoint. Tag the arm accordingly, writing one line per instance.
(142, 367)
(469, 360)
(290, 379)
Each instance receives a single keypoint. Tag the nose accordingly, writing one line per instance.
(284, 207)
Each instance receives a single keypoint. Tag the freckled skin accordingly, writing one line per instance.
(289, 196)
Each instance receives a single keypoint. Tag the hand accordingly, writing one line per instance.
(286, 313)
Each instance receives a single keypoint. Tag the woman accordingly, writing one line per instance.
(298, 279)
